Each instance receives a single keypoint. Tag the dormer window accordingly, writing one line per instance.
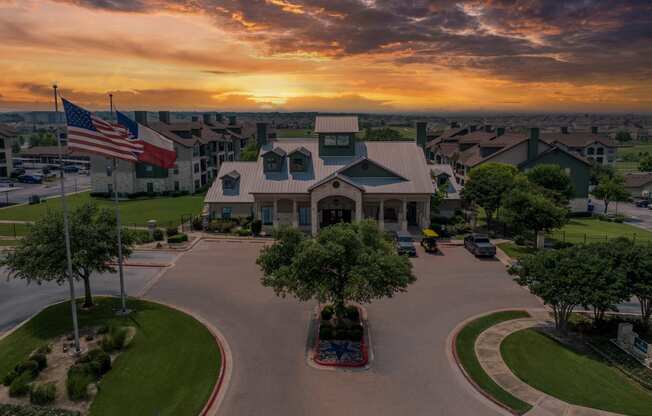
(229, 183)
(230, 180)
(273, 159)
(297, 164)
(271, 163)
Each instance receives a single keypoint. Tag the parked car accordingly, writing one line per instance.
(17, 172)
(30, 179)
(405, 244)
(71, 169)
(642, 203)
(6, 183)
(479, 245)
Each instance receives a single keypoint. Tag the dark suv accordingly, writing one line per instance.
(405, 244)
(479, 245)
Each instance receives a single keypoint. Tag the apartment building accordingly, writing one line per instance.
(7, 137)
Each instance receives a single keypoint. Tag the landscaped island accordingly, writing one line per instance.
(170, 367)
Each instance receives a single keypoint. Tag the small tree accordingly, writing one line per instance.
(344, 263)
(41, 255)
(559, 278)
(487, 185)
(623, 136)
(611, 189)
(527, 208)
(645, 164)
(638, 264)
(250, 152)
(554, 181)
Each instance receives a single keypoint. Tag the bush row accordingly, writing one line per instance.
(88, 369)
(178, 238)
(135, 195)
(13, 410)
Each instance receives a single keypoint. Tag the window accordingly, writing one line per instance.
(330, 140)
(176, 185)
(196, 184)
(229, 183)
(110, 188)
(600, 160)
(267, 215)
(226, 212)
(271, 163)
(229, 147)
(196, 167)
(176, 169)
(150, 187)
(109, 170)
(343, 140)
(297, 164)
(230, 157)
(304, 215)
(195, 150)
(590, 151)
(149, 168)
(221, 146)
(390, 214)
(243, 143)
(600, 150)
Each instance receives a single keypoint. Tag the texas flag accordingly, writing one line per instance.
(157, 150)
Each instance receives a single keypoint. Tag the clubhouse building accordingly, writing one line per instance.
(313, 183)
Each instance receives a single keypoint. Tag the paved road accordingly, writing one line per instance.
(410, 374)
(72, 181)
(640, 217)
(18, 301)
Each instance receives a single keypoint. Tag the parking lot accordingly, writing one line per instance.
(73, 182)
(410, 373)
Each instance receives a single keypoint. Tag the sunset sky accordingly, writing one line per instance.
(329, 55)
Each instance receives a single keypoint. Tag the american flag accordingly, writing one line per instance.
(89, 133)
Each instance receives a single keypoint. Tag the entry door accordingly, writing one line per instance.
(412, 213)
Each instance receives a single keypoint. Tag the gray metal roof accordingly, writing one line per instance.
(403, 158)
(336, 124)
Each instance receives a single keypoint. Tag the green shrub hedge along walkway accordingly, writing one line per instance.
(170, 368)
(465, 348)
(164, 210)
(576, 378)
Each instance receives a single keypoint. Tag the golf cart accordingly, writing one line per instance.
(429, 240)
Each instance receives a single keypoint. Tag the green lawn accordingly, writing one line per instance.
(597, 230)
(515, 251)
(571, 376)
(632, 166)
(170, 367)
(295, 133)
(164, 210)
(465, 346)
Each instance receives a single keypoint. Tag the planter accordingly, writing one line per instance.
(344, 349)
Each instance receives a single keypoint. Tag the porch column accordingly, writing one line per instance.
(295, 214)
(256, 212)
(426, 214)
(275, 214)
(314, 214)
(403, 217)
(358, 208)
(381, 215)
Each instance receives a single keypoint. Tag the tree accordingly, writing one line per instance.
(41, 255)
(487, 185)
(623, 136)
(250, 153)
(385, 133)
(638, 264)
(645, 164)
(598, 171)
(527, 208)
(608, 286)
(554, 181)
(611, 189)
(344, 263)
(558, 277)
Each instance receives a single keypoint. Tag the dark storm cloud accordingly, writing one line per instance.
(525, 40)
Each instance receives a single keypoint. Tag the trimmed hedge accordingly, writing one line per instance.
(114, 340)
(20, 386)
(43, 394)
(13, 410)
(179, 238)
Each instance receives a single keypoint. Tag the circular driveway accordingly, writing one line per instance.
(410, 374)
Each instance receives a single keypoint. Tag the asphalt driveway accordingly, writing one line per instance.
(410, 374)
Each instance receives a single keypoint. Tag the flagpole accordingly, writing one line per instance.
(123, 295)
(64, 205)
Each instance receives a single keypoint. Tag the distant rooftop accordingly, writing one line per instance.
(336, 124)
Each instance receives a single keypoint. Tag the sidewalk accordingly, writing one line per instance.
(487, 349)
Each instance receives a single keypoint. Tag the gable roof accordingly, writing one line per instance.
(240, 193)
(301, 150)
(553, 149)
(635, 180)
(276, 150)
(336, 124)
(233, 174)
(366, 159)
(577, 139)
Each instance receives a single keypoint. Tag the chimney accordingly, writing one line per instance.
(261, 134)
(500, 131)
(208, 118)
(422, 133)
(164, 117)
(232, 120)
(533, 144)
(564, 130)
(141, 117)
(473, 127)
(487, 128)
(594, 129)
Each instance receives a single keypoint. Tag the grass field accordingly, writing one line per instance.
(515, 251)
(295, 133)
(625, 166)
(576, 378)
(465, 346)
(596, 230)
(170, 367)
(165, 210)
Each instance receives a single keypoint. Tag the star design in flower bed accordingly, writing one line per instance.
(340, 352)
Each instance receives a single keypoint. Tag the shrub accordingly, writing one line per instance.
(104, 329)
(29, 367)
(43, 394)
(327, 313)
(99, 362)
(355, 333)
(10, 377)
(157, 234)
(352, 313)
(171, 231)
(79, 377)
(243, 232)
(179, 238)
(140, 236)
(326, 332)
(197, 223)
(114, 340)
(44, 349)
(256, 227)
(20, 386)
(41, 360)
(221, 226)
